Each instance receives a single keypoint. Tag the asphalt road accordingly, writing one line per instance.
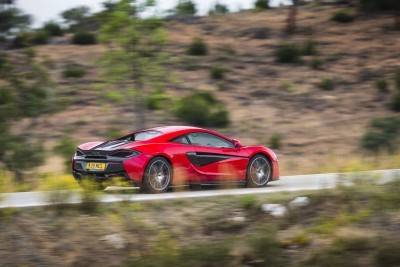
(285, 184)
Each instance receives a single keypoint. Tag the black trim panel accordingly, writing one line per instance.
(202, 158)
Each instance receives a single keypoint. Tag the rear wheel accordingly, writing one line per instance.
(259, 171)
(157, 176)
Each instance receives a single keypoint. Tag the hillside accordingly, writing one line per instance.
(318, 127)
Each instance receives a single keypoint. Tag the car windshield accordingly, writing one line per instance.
(146, 135)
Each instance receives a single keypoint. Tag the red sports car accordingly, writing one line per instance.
(157, 158)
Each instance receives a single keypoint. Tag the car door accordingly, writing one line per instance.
(217, 158)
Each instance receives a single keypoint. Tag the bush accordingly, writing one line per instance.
(202, 109)
(309, 48)
(217, 72)
(53, 29)
(316, 64)
(84, 38)
(275, 141)
(383, 134)
(326, 84)
(66, 148)
(342, 16)
(219, 9)
(74, 72)
(198, 47)
(396, 102)
(22, 40)
(158, 101)
(261, 4)
(185, 8)
(40, 37)
(382, 85)
(287, 53)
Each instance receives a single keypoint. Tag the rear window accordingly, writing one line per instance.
(146, 135)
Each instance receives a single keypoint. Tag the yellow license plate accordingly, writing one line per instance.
(95, 166)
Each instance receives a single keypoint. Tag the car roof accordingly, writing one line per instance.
(170, 132)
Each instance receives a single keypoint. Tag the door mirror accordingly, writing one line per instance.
(237, 143)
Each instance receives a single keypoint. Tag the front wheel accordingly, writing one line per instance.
(157, 176)
(259, 171)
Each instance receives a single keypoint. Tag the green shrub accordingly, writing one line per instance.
(326, 84)
(53, 29)
(342, 16)
(309, 48)
(316, 64)
(202, 109)
(40, 37)
(261, 4)
(217, 72)
(22, 40)
(382, 85)
(275, 141)
(396, 102)
(383, 134)
(84, 38)
(158, 101)
(66, 148)
(218, 9)
(185, 8)
(73, 71)
(229, 49)
(114, 96)
(287, 53)
(198, 47)
(248, 202)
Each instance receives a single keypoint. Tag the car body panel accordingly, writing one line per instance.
(191, 163)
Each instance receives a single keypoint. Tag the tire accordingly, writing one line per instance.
(259, 171)
(157, 176)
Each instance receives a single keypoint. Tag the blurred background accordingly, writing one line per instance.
(318, 81)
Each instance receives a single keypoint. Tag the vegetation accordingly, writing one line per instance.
(382, 135)
(84, 38)
(261, 4)
(316, 64)
(202, 109)
(218, 9)
(185, 8)
(135, 61)
(198, 47)
(342, 16)
(217, 72)
(382, 85)
(309, 48)
(287, 53)
(74, 71)
(66, 148)
(275, 141)
(53, 29)
(21, 96)
(327, 85)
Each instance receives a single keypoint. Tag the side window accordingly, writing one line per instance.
(181, 139)
(209, 140)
